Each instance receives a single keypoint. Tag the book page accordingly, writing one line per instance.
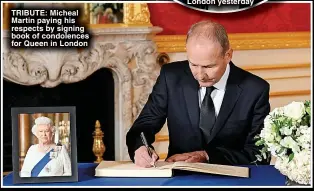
(164, 165)
(129, 169)
(213, 169)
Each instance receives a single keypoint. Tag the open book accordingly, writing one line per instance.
(164, 169)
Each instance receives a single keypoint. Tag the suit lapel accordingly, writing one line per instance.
(190, 89)
(233, 92)
(190, 92)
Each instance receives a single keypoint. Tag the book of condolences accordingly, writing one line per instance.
(164, 169)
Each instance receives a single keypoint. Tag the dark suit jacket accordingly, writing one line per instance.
(175, 97)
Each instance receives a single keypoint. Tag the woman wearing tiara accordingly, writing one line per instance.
(45, 158)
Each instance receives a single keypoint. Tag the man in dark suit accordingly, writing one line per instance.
(213, 108)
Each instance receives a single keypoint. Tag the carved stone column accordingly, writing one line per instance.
(144, 74)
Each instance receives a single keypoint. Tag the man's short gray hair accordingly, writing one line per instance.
(212, 31)
(43, 121)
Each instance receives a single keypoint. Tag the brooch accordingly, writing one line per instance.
(53, 155)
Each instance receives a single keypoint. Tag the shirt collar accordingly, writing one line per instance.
(221, 84)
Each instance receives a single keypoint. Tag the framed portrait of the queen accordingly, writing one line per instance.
(44, 144)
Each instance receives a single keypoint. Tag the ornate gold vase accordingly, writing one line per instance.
(98, 146)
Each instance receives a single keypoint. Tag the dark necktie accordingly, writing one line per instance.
(207, 114)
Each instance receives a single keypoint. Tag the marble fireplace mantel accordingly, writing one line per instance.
(129, 52)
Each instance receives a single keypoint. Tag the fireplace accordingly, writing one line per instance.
(92, 97)
(127, 54)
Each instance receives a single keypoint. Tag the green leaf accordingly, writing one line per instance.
(306, 120)
(307, 105)
(264, 149)
(264, 155)
(257, 137)
(308, 110)
(291, 156)
(260, 142)
(275, 127)
(258, 157)
(281, 150)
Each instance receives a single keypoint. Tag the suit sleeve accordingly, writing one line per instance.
(152, 117)
(223, 155)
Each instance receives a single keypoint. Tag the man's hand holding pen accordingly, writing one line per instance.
(143, 159)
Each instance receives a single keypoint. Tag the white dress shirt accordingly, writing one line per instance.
(218, 94)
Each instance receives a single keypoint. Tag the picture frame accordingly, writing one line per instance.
(105, 13)
(44, 153)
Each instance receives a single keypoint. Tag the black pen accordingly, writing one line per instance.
(146, 145)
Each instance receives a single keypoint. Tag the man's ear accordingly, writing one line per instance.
(229, 54)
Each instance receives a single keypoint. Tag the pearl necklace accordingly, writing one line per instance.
(45, 148)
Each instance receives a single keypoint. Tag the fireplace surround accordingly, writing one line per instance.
(128, 52)
(92, 97)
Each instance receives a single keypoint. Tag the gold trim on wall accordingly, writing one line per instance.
(136, 14)
(286, 77)
(243, 41)
(290, 93)
(276, 66)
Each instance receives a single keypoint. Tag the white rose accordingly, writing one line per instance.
(286, 130)
(295, 110)
(290, 143)
(267, 123)
(277, 111)
(295, 148)
(278, 139)
(269, 137)
(262, 134)
(273, 151)
(267, 134)
(267, 120)
(276, 148)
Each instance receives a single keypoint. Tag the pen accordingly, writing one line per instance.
(146, 145)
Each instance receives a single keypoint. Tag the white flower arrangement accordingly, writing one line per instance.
(287, 136)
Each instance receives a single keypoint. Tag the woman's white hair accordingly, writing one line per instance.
(43, 121)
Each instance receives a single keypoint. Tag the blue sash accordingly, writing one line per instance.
(40, 165)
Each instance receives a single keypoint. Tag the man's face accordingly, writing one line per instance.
(44, 134)
(206, 61)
